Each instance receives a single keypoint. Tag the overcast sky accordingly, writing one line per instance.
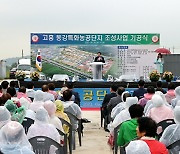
(18, 18)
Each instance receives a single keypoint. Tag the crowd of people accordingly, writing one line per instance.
(137, 115)
(45, 107)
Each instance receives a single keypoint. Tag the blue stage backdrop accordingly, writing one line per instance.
(93, 97)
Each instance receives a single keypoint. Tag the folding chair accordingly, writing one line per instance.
(65, 140)
(27, 122)
(74, 120)
(116, 130)
(45, 145)
(102, 117)
(163, 124)
(70, 133)
(122, 150)
(174, 146)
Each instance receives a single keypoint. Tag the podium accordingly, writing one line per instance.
(97, 68)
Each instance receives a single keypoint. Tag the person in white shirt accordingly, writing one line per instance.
(41, 126)
(30, 90)
(13, 139)
(51, 109)
(47, 95)
(38, 101)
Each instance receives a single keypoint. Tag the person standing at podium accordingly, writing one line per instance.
(99, 58)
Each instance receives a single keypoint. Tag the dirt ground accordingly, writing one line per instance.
(95, 138)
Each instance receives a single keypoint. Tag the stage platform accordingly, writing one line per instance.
(95, 84)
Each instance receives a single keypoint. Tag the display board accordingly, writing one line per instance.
(125, 54)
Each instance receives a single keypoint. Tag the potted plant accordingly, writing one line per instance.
(20, 75)
(168, 76)
(154, 76)
(34, 76)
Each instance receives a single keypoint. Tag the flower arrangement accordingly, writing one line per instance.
(168, 76)
(154, 76)
(34, 76)
(20, 75)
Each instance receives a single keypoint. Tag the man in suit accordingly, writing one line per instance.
(76, 100)
(105, 102)
(99, 58)
(139, 93)
(115, 100)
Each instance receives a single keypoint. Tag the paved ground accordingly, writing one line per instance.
(95, 138)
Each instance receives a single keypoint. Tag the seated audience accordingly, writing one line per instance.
(30, 90)
(71, 107)
(127, 130)
(146, 131)
(105, 102)
(76, 100)
(26, 104)
(139, 93)
(47, 95)
(5, 85)
(137, 147)
(177, 98)
(147, 96)
(60, 113)
(170, 93)
(159, 87)
(160, 111)
(53, 119)
(121, 106)
(115, 100)
(12, 92)
(124, 114)
(51, 90)
(5, 116)
(38, 101)
(172, 133)
(17, 114)
(150, 105)
(4, 98)
(41, 126)
(13, 139)
(22, 93)
(60, 93)
(13, 84)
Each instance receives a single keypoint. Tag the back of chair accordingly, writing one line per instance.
(70, 133)
(163, 124)
(116, 130)
(27, 122)
(75, 120)
(101, 110)
(122, 150)
(43, 145)
(175, 147)
(65, 140)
